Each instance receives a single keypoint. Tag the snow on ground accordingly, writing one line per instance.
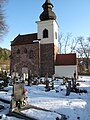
(6, 95)
(42, 115)
(4, 111)
(75, 106)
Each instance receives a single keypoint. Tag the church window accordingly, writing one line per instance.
(56, 35)
(45, 33)
(31, 54)
(25, 50)
(18, 51)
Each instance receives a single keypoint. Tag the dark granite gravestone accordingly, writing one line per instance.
(52, 85)
(68, 88)
(29, 78)
(73, 83)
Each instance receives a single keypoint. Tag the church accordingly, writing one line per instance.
(37, 52)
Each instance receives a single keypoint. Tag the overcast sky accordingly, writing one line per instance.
(73, 16)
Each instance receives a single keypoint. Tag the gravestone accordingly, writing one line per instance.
(52, 83)
(18, 96)
(68, 88)
(29, 78)
(1, 84)
(73, 83)
(47, 83)
(18, 90)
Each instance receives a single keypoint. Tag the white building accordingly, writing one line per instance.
(66, 65)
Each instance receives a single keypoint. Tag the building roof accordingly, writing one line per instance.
(66, 59)
(47, 14)
(24, 39)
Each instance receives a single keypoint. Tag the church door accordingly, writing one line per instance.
(25, 73)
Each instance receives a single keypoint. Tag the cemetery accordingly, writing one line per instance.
(44, 83)
(25, 92)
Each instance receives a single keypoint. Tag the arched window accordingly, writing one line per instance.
(31, 54)
(45, 33)
(18, 51)
(25, 50)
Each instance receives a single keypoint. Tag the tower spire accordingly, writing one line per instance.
(47, 13)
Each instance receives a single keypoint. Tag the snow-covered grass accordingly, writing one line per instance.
(75, 106)
(6, 95)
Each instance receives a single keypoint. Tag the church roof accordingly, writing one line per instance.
(47, 14)
(24, 39)
(66, 59)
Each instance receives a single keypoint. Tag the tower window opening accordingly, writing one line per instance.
(45, 33)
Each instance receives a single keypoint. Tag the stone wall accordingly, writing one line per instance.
(25, 56)
(47, 59)
(38, 60)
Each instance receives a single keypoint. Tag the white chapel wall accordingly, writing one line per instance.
(66, 71)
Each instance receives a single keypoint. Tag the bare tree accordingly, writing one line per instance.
(74, 45)
(67, 44)
(88, 39)
(3, 26)
(79, 45)
(66, 39)
(60, 43)
(84, 50)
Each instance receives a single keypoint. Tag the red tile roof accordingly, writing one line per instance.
(66, 59)
(24, 39)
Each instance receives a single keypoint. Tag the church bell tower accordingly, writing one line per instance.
(48, 35)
